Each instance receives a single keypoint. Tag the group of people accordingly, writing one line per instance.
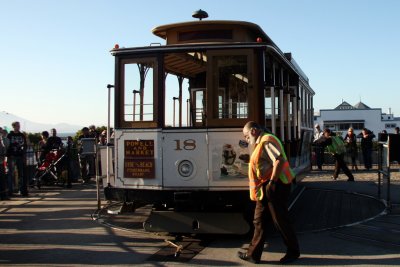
(13, 146)
(15, 150)
(350, 144)
(87, 159)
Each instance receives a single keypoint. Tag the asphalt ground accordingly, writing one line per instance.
(60, 227)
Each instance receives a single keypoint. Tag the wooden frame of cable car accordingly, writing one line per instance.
(182, 64)
(236, 78)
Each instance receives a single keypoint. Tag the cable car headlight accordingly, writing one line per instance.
(185, 168)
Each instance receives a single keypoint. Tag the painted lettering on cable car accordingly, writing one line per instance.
(139, 148)
(139, 159)
(139, 168)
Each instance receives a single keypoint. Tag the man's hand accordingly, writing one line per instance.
(270, 188)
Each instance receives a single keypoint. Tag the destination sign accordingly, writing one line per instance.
(139, 168)
(139, 159)
(139, 148)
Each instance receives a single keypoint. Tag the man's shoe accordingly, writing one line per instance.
(245, 257)
(289, 257)
(350, 180)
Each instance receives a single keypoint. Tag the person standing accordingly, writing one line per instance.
(319, 150)
(3, 151)
(350, 140)
(84, 159)
(16, 158)
(92, 158)
(42, 146)
(335, 145)
(270, 178)
(366, 147)
(53, 142)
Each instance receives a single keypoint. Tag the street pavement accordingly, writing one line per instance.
(60, 227)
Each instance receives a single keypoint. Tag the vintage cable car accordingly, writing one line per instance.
(179, 113)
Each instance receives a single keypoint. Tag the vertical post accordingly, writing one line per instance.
(289, 130)
(109, 86)
(273, 117)
(281, 107)
(134, 103)
(97, 176)
(180, 80)
(282, 115)
(187, 113)
(389, 202)
(174, 98)
(295, 116)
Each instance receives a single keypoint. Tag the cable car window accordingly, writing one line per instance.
(138, 93)
(199, 108)
(232, 86)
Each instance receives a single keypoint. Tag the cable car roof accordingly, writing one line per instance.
(211, 30)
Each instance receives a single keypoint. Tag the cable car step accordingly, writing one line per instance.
(196, 222)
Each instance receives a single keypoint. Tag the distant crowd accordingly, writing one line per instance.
(345, 146)
(51, 161)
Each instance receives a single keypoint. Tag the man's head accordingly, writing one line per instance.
(327, 132)
(350, 130)
(53, 132)
(45, 134)
(251, 131)
(85, 130)
(16, 126)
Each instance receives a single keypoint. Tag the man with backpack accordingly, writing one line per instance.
(335, 146)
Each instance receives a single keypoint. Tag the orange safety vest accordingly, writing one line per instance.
(258, 175)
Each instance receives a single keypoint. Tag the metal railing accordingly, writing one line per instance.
(384, 173)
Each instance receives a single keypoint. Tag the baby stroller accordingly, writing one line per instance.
(48, 172)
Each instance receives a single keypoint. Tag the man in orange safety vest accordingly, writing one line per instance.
(270, 178)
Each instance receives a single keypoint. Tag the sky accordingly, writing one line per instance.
(55, 60)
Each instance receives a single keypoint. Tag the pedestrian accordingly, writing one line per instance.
(103, 139)
(397, 130)
(318, 150)
(68, 160)
(93, 133)
(30, 163)
(84, 158)
(350, 140)
(42, 146)
(3, 151)
(16, 158)
(54, 142)
(270, 179)
(366, 147)
(335, 146)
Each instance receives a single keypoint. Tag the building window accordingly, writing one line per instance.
(330, 126)
(358, 126)
(390, 125)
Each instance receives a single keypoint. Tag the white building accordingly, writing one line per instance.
(358, 116)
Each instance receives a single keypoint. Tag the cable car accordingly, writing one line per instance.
(179, 110)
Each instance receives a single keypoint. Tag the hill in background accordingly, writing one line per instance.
(34, 127)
